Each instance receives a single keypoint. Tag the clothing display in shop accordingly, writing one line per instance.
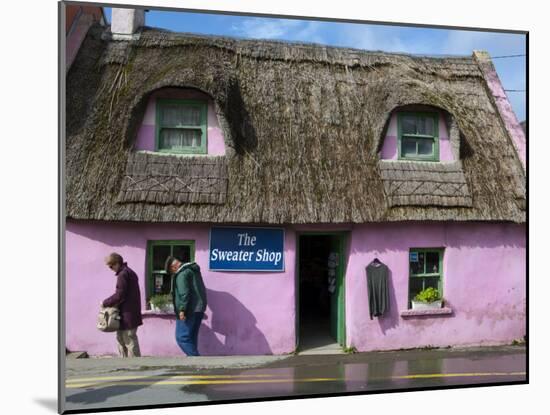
(377, 285)
(332, 264)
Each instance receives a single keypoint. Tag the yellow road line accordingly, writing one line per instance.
(198, 382)
(168, 376)
(450, 375)
(232, 379)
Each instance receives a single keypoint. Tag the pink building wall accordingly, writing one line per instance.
(484, 278)
(146, 134)
(248, 313)
(389, 147)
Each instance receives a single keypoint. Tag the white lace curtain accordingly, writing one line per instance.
(178, 138)
(180, 116)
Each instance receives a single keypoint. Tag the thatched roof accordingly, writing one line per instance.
(303, 125)
(425, 184)
(174, 180)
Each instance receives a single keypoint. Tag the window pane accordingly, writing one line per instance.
(173, 139)
(425, 126)
(417, 267)
(408, 147)
(170, 115)
(166, 284)
(158, 280)
(160, 253)
(432, 262)
(182, 252)
(174, 115)
(425, 147)
(170, 138)
(191, 138)
(431, 282)
(415, 286)
(408, 124)
(161, 284)
(191, 115)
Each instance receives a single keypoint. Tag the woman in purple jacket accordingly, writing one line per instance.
(128, 300)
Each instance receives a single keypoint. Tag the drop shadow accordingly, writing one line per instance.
(48, 403)
(233, 329)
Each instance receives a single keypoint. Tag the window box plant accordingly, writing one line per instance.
(427, 299)
(162, 303)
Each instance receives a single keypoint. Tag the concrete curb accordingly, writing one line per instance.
(143, 363)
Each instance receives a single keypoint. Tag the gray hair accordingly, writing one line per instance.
(114, 258)
(168, 263)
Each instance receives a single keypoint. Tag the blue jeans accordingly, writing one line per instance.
(187, 333)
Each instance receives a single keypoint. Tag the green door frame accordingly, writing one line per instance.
(341, 286)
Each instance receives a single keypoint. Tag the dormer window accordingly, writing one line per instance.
(181, 126)
(418, 136)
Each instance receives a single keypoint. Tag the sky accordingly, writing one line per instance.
(421, 41)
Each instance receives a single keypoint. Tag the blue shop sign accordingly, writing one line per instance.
(246, 249)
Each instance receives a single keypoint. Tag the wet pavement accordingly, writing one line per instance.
(102, 383)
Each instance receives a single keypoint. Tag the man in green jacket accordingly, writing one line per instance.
(189, 297)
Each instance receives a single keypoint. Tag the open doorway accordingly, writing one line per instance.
(320, 293)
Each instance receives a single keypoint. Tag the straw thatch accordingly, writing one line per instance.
(302, 124)
(172, 179)
(425, 184)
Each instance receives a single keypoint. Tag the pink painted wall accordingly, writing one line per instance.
(146, 134)
(389, 147)
(250, 313)
(484, 278)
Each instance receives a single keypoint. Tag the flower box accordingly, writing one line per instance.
(421, 305)
(168, 308)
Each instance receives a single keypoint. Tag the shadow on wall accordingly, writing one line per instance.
(390, 319)
(242, 130)
(232, 329)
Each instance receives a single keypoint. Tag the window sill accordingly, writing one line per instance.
(182, 152)
(445, 311)
(417, 160)
(175, 153)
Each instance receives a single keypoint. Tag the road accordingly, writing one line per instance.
(101, 383)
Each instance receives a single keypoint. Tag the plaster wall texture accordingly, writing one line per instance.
(248, 313)
(484, 279)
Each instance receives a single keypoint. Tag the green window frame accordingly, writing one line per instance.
(160, 125)
(416, 138)
(157, 252)
(420, 277)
